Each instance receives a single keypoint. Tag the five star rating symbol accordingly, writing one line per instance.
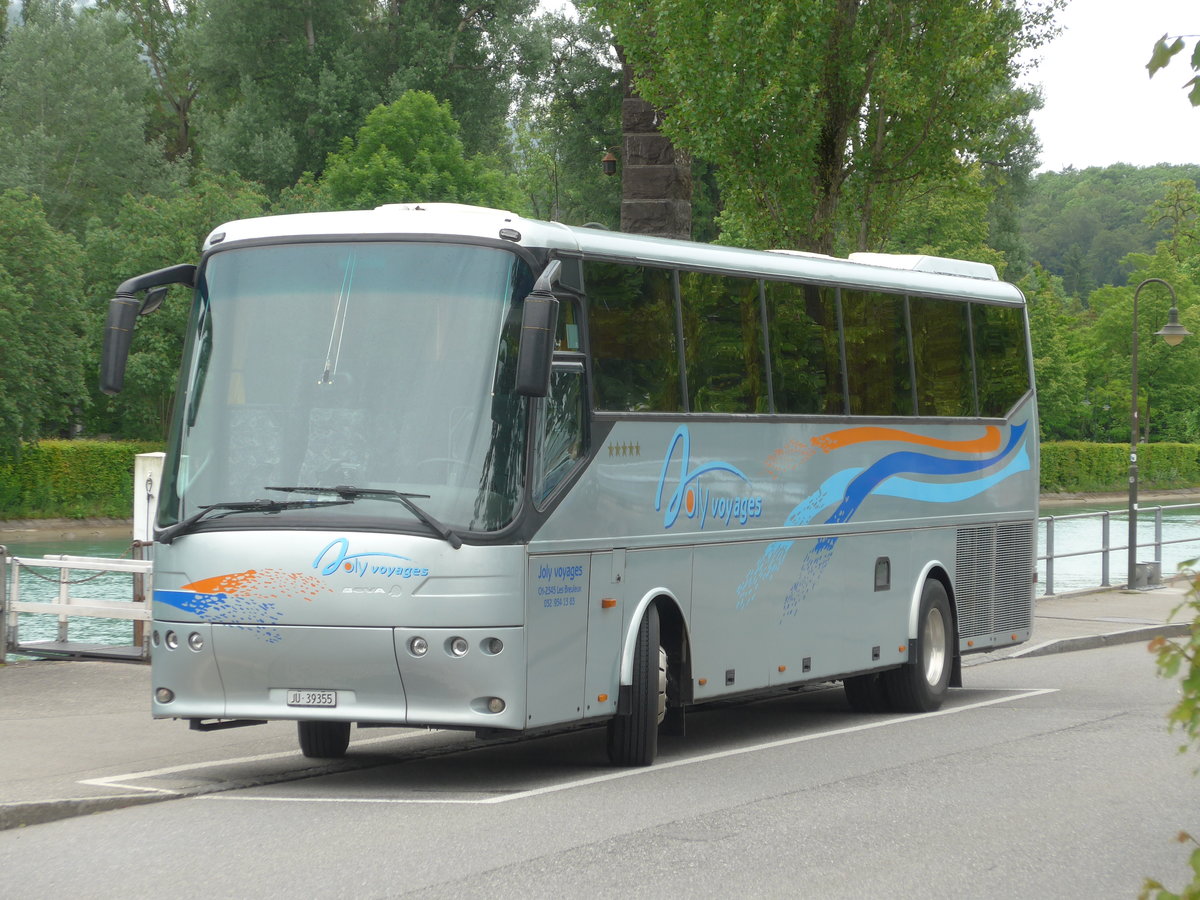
(624, 449)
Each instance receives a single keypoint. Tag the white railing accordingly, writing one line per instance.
(66, 606)
(1103, 545)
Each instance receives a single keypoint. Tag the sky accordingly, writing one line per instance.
(1101, 106)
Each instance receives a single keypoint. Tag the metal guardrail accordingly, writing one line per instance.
(66, 606)
(1106, 546)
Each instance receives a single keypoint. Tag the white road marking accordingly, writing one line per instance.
(119, 780)
(648, 770)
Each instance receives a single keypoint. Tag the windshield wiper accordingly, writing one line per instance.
(349, 493)
(168, 534)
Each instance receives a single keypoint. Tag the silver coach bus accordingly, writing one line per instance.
(434, 465)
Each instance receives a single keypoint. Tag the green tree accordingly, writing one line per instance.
(1065, 409)
(476, 56)
(409, 151)
(284, 81)
(163, 29)
(569, 117)
(72, 113)
(1168, 377)
(41, 324)
(825, 117)
(150, 233)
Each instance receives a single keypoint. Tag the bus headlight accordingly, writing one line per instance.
(196, 641)
(164, 695)
(418, 646)
(459, 646)
(171, 640)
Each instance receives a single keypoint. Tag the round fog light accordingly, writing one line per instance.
(164, 695)
(495, 704)
(418, 646)
(493, 646)
(156, 638)
(172, 640)
(196, 641)
(459, 646)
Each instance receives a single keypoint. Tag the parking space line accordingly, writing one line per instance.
(647, 770)
(118, 781)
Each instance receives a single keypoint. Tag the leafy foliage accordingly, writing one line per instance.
(72, 114)
(1165, 49)
(41, 324)
(1080, 224)
(1180, 659)
(826, 117)
(150, 233)
(409, 151)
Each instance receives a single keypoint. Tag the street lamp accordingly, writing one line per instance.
(1172, 333)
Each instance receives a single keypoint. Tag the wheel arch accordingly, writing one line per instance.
(935, 570)
(673, 634)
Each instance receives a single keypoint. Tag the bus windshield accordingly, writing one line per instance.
(382, 366)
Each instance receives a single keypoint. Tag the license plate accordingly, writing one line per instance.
(312, 698)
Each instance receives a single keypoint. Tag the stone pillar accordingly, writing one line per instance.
(656, 179)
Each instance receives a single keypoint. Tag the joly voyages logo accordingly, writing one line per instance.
(703, 493)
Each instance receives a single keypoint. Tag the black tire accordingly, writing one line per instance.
(323, 740)
(921, 684)
(867, 693)
(633, 738)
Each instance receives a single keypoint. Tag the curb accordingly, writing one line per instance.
(1094, 641)
(39, 812)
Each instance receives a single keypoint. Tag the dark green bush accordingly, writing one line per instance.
(70, 479)
(1075, 466)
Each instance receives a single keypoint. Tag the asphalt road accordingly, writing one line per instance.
(1045, 777)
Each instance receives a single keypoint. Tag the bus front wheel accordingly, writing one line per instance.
(633, 737)
(920, 685)
(323, 740)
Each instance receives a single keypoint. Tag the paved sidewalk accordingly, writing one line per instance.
(64, 724)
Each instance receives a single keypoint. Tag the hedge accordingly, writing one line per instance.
(1074, 466)
(70, 479)
(81, 479)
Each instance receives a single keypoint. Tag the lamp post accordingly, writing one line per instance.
(1172, 333)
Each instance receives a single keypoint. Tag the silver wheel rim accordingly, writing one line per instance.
(933, 646)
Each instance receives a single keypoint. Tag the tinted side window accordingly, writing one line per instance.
(722, 339)
(806, 367)
(876, 354)
(631, 321)
(1002, 366)
(942, 353)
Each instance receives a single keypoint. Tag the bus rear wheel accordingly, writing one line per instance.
(323, 740)
(920, 685)
(633, 737)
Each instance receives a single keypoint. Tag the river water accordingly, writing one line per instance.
(1071, 573)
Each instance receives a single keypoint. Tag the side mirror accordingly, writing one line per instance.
(123, 311)
(539, 321)
(118, 335)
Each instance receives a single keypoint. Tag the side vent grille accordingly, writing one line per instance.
(994, 579)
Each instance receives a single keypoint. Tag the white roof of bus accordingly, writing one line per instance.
(868, 271)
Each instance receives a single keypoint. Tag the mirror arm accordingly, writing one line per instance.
(123, 310)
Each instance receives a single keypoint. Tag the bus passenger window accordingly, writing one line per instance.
(723, 344)
(876, 354)
(1001, 365)
(942, 354)
(806, 366)
(631, 324)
